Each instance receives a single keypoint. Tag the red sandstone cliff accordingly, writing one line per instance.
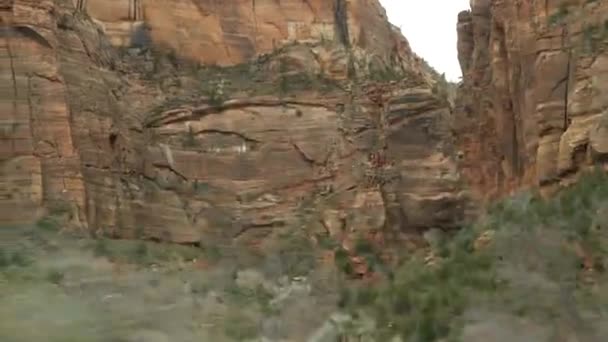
(146, 141)
(532, 108)
(232, 32)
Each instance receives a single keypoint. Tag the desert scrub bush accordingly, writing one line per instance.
(100, 248)
(382, 73)
(592, 36)
(290, 82)
(421, 302)
(529, 268)
(142, 252)
(189, 139)
(292, 254)
(239, 326)
(560, 16)
(49, 223)
(257, 296)
(57, 211)
(16, 258)
(55, 276)
(216, 92)
(212, 253)
(365, 249)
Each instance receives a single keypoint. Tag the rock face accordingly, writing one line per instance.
(136, 143)
(56, 107)
(532, 108)
(235, 31)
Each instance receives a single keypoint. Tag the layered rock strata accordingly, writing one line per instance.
(532, 108)
(147, 145)
(236, 31)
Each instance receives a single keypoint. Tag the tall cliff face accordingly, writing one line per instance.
(532, 107)
(137, 143)
(236, 31)
(57, 107)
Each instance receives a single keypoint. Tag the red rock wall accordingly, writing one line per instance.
(531, 109)
(234, 31)
(132, 154)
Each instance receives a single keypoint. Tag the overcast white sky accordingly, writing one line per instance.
(430, 27)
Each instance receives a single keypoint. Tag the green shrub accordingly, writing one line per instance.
(49, 223)
(55, 276)
(189, 139)
(342, 261)
(20, 259)
(560, 16)
(140, 253)
(4, 259)
(294, 253)
(216, 91)
(100, 248)
(239, 326)
(17, 258)
(591, 38)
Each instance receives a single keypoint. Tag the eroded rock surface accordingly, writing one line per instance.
(233, 32)
(137, 143)
(532, 105)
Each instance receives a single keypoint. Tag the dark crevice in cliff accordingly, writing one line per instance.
(341, 22)
(102, 168)
(199, 112)
(172, 170)
(135, 10)
(7, 5)
(266, 225)
(228, 133)
(81, 5)
(509, 139)
(85, 48)
(11, 59)
(131, 10)
(566, 90)
(28, 32)
(255, 26)
(112, 140)
(47, 77)
(30, 108)
(559, 83)
(310, 161)
(305, 182)
(517, 165)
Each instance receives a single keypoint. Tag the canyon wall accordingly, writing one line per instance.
(532, 109)
(56, 107)
(235, 31)
(147, 144)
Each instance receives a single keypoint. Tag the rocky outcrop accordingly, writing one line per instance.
(57, 107)
(532, 106)
(232, 32)
(136, 143)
